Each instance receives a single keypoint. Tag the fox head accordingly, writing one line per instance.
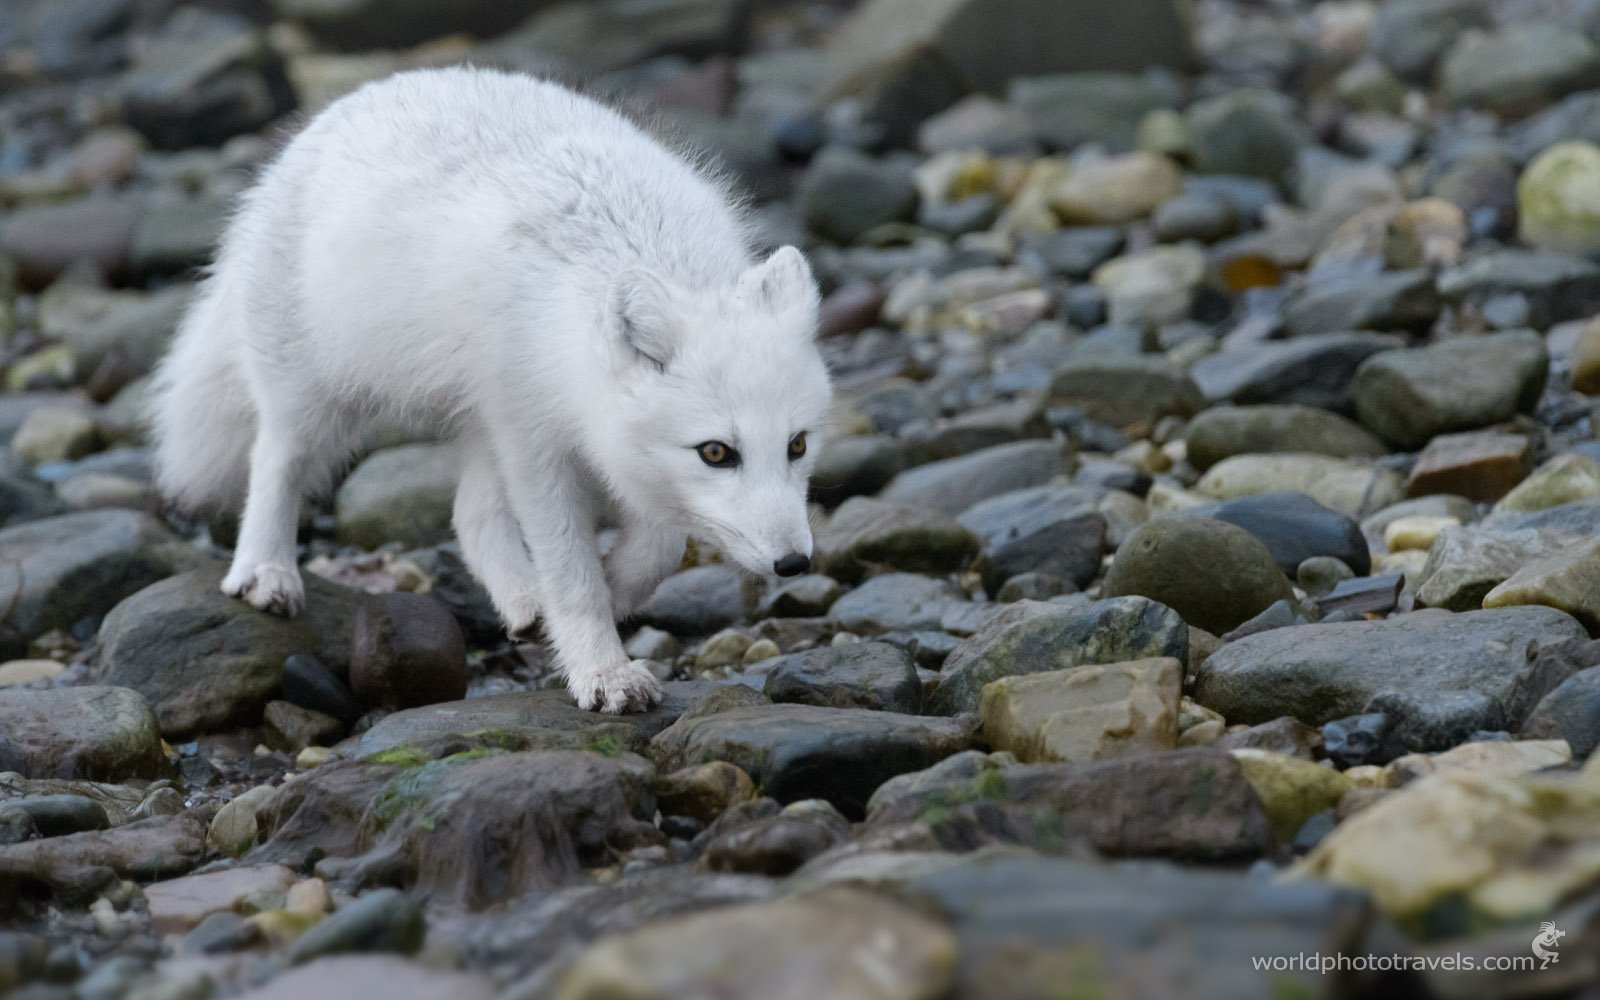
(721, 407)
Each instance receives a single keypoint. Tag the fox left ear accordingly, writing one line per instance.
(639, 313)
(781, 282)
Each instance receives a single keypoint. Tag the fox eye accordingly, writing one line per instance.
(718, 455)
(797, 446)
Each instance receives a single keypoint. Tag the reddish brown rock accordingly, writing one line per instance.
(1479, 465)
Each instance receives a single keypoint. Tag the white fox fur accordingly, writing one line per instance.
(527, 272)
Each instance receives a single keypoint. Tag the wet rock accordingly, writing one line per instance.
(791, 947)
(1466, 563)
(62, 569)
(1085, 713)
(1557, 210)
(1055, 530)
(1410, 36)
(302, 727)
(1428, 722)
(99, 733)
(406, 650)
(1568, 580)
(1031, 637)
(387, 976)
(383, 920)
(58, 815)
(422, 826)
(1478, 465)
(1570, 712)
(518, 720)
(893, 601)
(775, 844)
(1214, 574)
(697, 601)
(1193, 804)
(1022, 918)
(310, 684)
(1133, 391)
(1225, 431)
(402, 494)
(1555, 287)
(1358, 740)
(703, 791)
(206, 660)
(1282, 735)
(1351, 489)
(855, 466)
(866, 533)
(204, 78)
(978, 122)
(78, 867)
(1407, 397)
(178, 905)
(592, 39)
(846, 194)
(1311, 371)
(804, 751)
(1518, 68)
(1069, 109)
(873, 675)
(807, 596)
(46, 240)
(953, 485)
(1075, 251)
(1244, 132)
(1195, 215)
(909, 57)
(1294, 528)
(1320, 575)
(1321, 672)
(1398, 300)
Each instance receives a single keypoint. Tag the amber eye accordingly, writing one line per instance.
(717, 455)
(797, 446)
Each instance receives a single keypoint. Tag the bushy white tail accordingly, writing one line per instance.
(201, 414)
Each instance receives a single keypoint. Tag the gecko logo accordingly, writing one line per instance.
(1545, 944)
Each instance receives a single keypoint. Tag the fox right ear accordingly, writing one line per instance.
(639, 315)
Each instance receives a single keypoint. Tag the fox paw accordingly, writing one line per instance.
(629, 687)
(269, 587)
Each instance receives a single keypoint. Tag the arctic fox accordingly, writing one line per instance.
(528, 273)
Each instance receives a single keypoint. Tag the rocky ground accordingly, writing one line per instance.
(1209, 570)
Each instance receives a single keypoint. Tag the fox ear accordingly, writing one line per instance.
(639, 316)
(781, 282)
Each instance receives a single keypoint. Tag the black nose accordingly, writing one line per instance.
(792, 564)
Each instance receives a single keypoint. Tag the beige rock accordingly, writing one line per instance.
(1563, 479)
(308, 896)
(1291, 790)
(177, 905)
(1116, 189)
(343, 977)
(1347, 487)
(27, 671)
(1494, 757)
(53, 433)
(233, 828)
(1085, 713)
(1417, 533)
(1514, 847)
(1569, 580)
(839, 943)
